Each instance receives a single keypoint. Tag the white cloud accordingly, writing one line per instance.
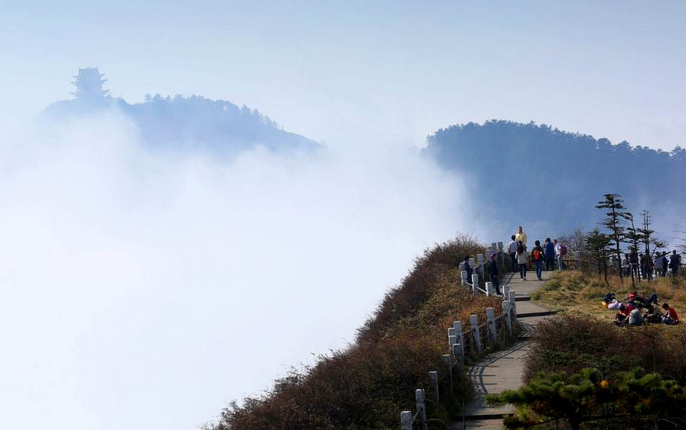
(147, 290)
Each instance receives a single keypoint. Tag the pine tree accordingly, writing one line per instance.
(589, 397)
(598, 245)
(615, 217)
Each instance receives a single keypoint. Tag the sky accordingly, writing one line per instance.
(390, 72)
(146, 291)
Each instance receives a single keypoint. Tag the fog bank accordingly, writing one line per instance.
(142, 290)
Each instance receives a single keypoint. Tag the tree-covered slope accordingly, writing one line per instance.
(182, 122)
(534, 174)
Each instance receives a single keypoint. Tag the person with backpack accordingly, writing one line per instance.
(674, 263)
(549, 251)
(512, 249)
(537, 256)
(493, 272)
(521, 260)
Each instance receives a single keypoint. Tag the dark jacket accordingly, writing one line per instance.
(493, 268)
(549, 250)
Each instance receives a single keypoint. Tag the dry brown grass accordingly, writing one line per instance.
(577, 293)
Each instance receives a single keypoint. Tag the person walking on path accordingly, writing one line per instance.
(560, 252)
(521, 237)
(537, 258)
(549, 251)
(493, 272)
(512, 249)
(521, 260)
(674, 263)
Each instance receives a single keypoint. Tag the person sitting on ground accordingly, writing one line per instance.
(670, 317)
(521, 260)
(624, 311)
(537, 257)
(639, 301)
(635, 317)
(467, 267)
(493, 271)
(653, 314)
(610, 302)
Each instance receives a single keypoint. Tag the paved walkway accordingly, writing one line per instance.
(503, 370)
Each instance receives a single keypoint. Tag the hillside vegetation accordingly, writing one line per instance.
(552, 174)
(179, 122)
(367, 385)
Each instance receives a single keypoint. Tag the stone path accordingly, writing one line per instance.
(503, 370)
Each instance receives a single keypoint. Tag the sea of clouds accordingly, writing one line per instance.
(147, 289)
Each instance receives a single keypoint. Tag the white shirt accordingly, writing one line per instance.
(512, 247)
(558, 249)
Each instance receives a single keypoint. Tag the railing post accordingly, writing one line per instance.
(490, 316)
(458, 347)
(406, 420)
(489, 289)
(433, 379)
(464, 279)
(506, 292)
(452, 338)
(474, 321)
(513, 303)
(507, 308)
(475, 282)
(449, 364)
(421, 408)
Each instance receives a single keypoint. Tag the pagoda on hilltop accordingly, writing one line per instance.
(88, 85)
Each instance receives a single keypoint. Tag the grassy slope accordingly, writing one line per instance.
(575, 293)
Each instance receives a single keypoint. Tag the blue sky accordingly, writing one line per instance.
(382, 72)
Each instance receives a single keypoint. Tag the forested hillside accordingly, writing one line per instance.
(182, 122)
(538, 175)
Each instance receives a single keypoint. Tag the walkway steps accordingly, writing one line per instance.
(503, 370)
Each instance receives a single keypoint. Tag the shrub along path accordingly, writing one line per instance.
(503, 370)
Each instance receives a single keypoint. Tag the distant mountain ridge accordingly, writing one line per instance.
(183, 122)
(529, 173)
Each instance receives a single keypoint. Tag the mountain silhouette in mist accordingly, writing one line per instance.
(529, 173)
(181, 122)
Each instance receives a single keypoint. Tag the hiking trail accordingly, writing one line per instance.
(503, 370)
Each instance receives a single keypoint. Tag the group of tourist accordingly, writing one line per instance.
(551, 253)
(638, 310)
(645, 266)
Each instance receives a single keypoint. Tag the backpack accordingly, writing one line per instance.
(563, 249)
(536, 254)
